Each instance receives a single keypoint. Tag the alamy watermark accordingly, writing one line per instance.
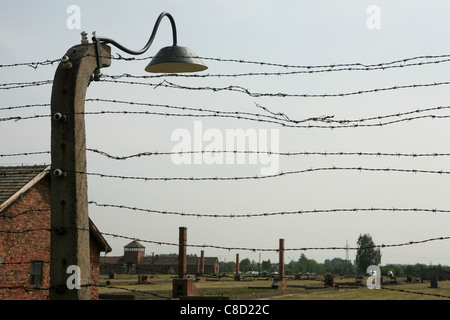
(74, 280)
(74, 19)
(374, 281)
(373, 22)
(250, 146)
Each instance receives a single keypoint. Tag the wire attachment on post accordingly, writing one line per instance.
(98, 55)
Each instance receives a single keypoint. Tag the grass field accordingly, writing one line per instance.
(126, 286)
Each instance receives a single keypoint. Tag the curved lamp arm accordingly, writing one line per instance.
(149, 42)
(172, 59)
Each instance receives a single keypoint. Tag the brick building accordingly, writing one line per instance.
(25, 235)
(134, 260)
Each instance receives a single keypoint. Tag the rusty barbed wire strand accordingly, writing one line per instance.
(279, 118)
(198, 109)
(137, 291)
(12, 216)
(239, 89)
(16, 85)
(346, 123)
(276, 175)
(114, 235)
(416, 292)
(360, 66)
(255, 177)
(31, 288)
(33, 65)
(310, 70)
(25, 230)
(248, 214)
(19, 118)
(356, 64)
(277, 249)
(268, 214)
(20, 262)
(288, 154)
(48, 288)
(19, 154)
(273, 115)
(276, 116)
(234, 88)
(25, 106)
(25, 288)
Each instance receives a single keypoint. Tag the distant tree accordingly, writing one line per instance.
(266, 265)
(338, 266)
(307, 265)
(366, 254)
(244, 264)
(247, 265)
(229, 266)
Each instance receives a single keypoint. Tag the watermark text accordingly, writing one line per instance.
(241, 146)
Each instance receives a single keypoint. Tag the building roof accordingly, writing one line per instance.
(111, 260)
(16, 180)
(134, 244)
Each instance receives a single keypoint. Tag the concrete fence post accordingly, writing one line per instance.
(69, 236)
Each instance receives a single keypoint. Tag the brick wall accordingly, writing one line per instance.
(22, 248)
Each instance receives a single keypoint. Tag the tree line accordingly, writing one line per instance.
(367, 254)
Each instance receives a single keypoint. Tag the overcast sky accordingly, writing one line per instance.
(292, 33)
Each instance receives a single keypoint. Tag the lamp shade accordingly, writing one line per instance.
(175, 59)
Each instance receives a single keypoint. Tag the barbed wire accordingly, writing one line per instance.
(274, 118)
(278, 116)
(330, 119)
(29, 211)
(288, 154)
(89, 285)
(212, 246)
(239, 89)
(329, 66)
(273, 115)
(19, 118)
(234, 88)
(310, 70)
(269, 176)
(269, 214)
(24, 230)
(277, 249)
(26, 106)
(136, 291)
(20, 262)
(33, 65)
(416, 292)
(256, 177)
(17, 85)
(18, 154)
(281, 153)
(243, 215)
(359, 66)
(25, 288)
(212, 111)
(240, 117)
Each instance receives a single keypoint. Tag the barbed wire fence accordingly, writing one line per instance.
(268, 116)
